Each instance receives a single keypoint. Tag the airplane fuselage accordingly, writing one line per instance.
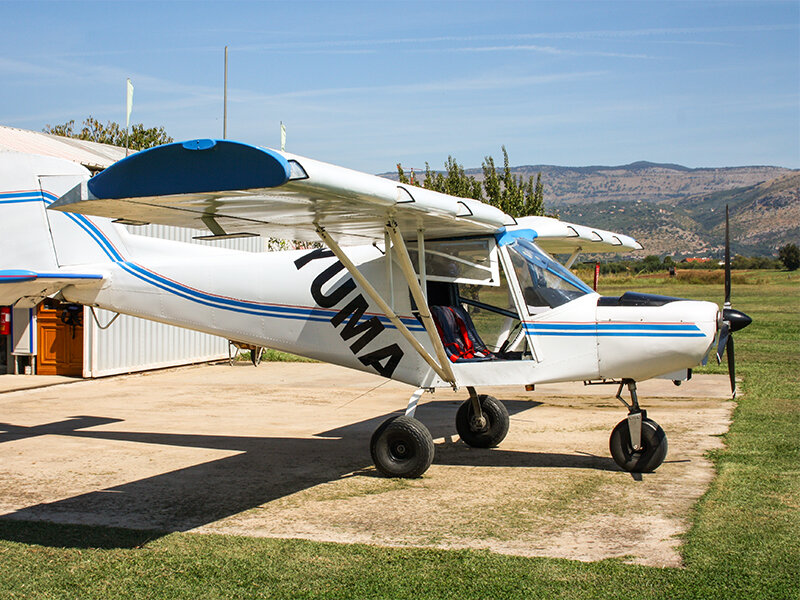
(305, 302)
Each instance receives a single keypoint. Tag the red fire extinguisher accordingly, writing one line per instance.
(5, 320)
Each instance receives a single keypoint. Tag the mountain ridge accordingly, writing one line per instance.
(673, 209)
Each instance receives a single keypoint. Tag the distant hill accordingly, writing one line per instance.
(764, 217)
(645, 181)
(676, 210)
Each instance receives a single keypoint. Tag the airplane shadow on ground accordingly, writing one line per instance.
(264, 469)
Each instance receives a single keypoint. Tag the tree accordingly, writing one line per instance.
(508, 192)
(401, 175)
(112, 133)
(534, 196)
(491, 182)
(790, 256)
(651, 264)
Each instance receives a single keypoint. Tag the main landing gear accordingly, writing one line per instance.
(637, 444)
(403, 447)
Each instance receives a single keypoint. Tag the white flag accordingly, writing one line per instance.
(129, 104)
(283, 137)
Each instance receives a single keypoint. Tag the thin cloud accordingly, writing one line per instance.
(18, 67)
(549, 50)
(452, 85)
(590, 34)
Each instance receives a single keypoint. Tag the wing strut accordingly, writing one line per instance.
(419, 296)
(442, 368)
(572, 257)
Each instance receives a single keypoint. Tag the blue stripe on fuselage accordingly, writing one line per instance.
(183, 291)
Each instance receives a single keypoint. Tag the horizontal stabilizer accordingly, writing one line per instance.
(242, 189)
(16, 284)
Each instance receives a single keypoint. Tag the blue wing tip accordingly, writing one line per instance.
(193, 166)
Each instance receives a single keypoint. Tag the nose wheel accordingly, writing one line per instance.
(637, 444)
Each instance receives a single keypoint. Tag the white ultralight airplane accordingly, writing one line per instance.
(417, 286)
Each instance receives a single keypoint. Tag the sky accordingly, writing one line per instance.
(369, 84)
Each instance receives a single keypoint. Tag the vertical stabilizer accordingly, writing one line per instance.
(39, 247)
(25, 240)
(36, 239)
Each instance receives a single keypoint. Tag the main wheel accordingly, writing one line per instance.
(491, 431)
(649, 458)
(402, 447)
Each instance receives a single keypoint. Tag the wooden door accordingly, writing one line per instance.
(60, 349)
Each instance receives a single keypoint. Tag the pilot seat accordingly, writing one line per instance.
(459, 337)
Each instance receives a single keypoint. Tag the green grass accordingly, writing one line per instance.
(270, 355)
(743, 543)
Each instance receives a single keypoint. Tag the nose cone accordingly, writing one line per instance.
(737, 319)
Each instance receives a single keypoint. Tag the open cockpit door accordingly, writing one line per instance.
(471, 260)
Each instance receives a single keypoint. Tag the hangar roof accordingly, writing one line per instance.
(92, 155)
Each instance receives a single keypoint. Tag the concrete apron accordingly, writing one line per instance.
(282, 450)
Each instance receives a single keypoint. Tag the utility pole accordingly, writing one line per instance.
(225, 100)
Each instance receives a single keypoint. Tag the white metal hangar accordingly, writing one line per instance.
(52, 338)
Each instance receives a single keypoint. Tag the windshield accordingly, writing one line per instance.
(545, 283)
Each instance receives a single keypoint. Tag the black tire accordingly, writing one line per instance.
(495, 428)
(402, 447)
(649, 458)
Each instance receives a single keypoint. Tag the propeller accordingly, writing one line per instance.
(731, 319)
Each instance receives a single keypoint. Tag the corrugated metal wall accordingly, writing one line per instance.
(131, 344)
(181, 234)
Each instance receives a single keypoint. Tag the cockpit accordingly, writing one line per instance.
(481, 290)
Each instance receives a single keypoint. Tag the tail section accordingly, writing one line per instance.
(42, 251)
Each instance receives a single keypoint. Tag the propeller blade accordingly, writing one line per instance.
(731, 365)
(727, 259)
(724, 336)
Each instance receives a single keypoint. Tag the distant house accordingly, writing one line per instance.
(694, 260)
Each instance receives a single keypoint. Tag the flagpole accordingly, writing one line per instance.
(225, 100)
(128, 108)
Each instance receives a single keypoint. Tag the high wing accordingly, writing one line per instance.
(17, 283)
(234, 188)
(560, 237)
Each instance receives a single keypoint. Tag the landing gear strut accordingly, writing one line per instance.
(637, 444)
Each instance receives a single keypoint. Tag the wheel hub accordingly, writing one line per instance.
(400, 450)
(478, 423)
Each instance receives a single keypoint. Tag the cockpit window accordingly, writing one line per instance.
(545, 283)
